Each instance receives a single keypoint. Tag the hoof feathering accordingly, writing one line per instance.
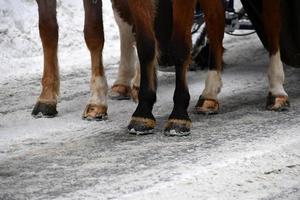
(47, 110)
(120, 92)
(141, 126)
(95, 112)
(177, 127)
(277, 103)
(207, 106)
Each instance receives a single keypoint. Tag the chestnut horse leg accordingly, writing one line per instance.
(122, 86)
(215, 22)
(179, 122)
(46, 104)
(142, 11)
(277, 99)
(94, 38)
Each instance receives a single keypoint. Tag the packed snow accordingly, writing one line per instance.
(244, 152)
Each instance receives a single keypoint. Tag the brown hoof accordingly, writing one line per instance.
(120, 92)
(95, 112)
(141, 126)
(135, 93)
(207, 106)
(177, 127)
(277, 103)
(44, 109)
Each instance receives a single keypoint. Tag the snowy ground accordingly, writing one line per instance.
(244, 152)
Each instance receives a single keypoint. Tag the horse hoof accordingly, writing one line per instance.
(95, 112)
(141, 126)
(175, 127)
(277, 103)
(135, 93)
(120, 92)
(42, 109)
(207, 106)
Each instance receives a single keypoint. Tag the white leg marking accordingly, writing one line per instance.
(276, 75)
(99, 90)
(137, 77)
(213, 85)
(128, 52)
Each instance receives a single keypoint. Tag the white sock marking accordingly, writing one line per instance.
(276, 75)
(99, 90)
(128, 52)
(213, 85)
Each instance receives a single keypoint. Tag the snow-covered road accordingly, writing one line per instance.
(244, 152)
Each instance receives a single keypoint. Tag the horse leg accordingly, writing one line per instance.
(163, 29)
(277, 99)
(121, 88)
(96, 108)
(143, 121)
(46, 103)
(179, 122)
(136, 83)
(214, 18)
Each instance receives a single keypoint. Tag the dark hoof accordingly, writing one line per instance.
(120, 92)
(141, 126)
(95, 113)
(277, 103)
(207, 106)
(177, 127)
(44, 110)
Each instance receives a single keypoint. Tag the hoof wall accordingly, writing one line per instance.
(95, 113)
(178, 128)
(277, 103)
(141, 126)
(44, 110)
(207, 106)
(120, 92)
